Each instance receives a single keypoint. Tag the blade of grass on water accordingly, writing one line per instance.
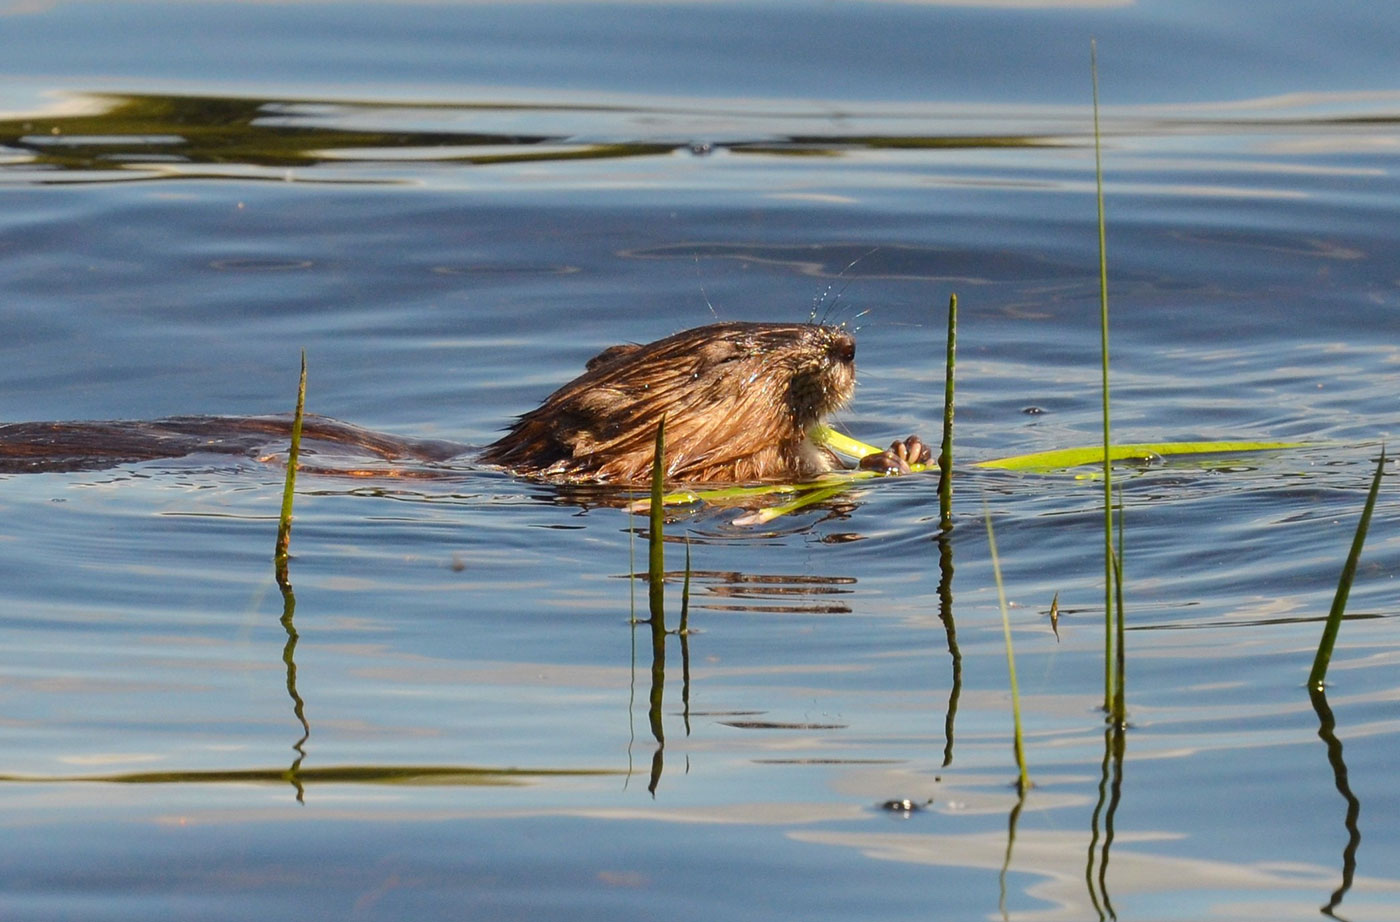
(656, 550)
(945, 455)
(1024, 781)
(284, 521)
(1318, 675)
(1108, 592)
(1062, 458)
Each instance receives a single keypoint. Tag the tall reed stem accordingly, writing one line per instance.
(1108, 568)
(1318, 675)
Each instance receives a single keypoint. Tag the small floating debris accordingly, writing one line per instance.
(904, 806)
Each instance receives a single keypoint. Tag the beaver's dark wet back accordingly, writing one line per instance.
(83, 445)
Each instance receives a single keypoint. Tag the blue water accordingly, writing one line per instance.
(451, 207)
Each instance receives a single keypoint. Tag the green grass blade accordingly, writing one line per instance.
(945, 455)
(1024, 782)
(769, 513)
(284, 520)
(1037, 462)
(631, 568)
(1318, 675)
(719, 495)
(1103, 357)
(656, 548)
(1062, 458)
(843, 444)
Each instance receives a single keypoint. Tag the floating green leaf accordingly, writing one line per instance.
(1062, 458)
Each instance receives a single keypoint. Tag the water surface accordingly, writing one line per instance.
(451, 207)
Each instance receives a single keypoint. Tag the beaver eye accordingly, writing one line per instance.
(718, 352)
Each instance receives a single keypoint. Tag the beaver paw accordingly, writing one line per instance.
(898, 457)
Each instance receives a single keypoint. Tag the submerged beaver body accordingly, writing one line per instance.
(740, 401)
(93, 445)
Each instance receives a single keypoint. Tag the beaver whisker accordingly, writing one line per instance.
(826, 318)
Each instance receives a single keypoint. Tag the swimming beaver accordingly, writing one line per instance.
(740, 401)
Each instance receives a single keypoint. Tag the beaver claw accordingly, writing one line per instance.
(898, 457)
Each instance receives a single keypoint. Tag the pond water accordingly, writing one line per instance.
(451, 207)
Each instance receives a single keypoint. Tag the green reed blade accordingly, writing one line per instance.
(1024, 782)
(656, 552)
(631, 568)
(284, 520)
(810, 497)
(1061, 458)
(1103, 357)
(1036, 462)
(685, 593)
(1339, 602)
(718, 495)
(843, 444)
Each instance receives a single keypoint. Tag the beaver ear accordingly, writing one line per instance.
(610, 355)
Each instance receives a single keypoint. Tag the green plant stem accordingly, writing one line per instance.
(1024, 781)
(1318, 676)
(284, 519)
(945, 454)
(1108, 570)
(656, 549)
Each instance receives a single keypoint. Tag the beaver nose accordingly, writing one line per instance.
(843, 348)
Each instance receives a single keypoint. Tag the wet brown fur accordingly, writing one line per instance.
(739, 399)
(92, 445)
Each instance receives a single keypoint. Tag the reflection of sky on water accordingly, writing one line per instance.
(1142, 883)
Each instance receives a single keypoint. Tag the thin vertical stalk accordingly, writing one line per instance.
(656, 549)
(284, 520)
(1317, 677)
(1108, 569)
(1023, 783)
(945, 455)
